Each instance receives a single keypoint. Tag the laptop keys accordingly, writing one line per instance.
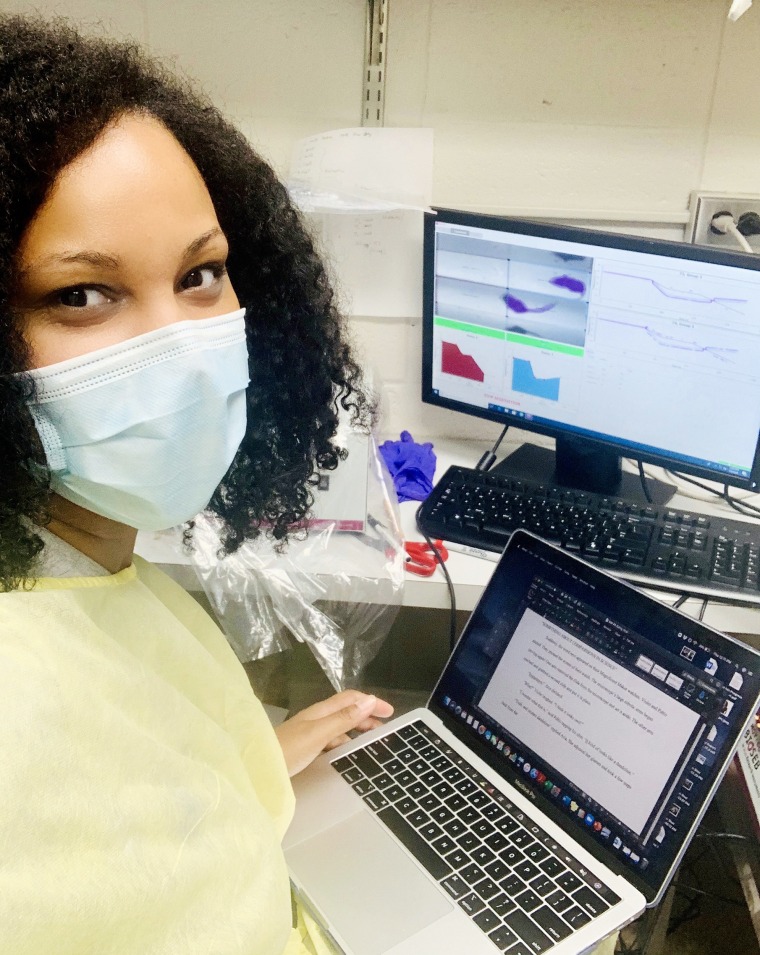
(472, 904)
(552, 924)
(503, 938)
(487, 921)
(455, 886)
(413, 841)
(590, 902)
(521, 889)
(529, 932)
(366, 763)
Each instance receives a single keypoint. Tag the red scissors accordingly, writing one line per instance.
(420, 557)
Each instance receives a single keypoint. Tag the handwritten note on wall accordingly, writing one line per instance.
(364, 192)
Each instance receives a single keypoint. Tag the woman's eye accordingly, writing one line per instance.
(203, 278)
(81, 297)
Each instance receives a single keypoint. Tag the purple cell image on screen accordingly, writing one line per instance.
(518, 306)
(569, 283)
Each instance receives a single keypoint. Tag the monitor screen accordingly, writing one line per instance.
(649, 349)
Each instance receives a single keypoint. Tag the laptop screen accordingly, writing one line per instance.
(613, 712)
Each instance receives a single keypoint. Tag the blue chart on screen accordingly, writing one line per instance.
(525, 381)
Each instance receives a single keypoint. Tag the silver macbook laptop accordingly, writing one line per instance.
(546, 793)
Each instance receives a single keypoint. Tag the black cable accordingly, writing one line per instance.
(450, 585)
(690, 480)
(643, 479)
(702, 609)
(743, 507)
(488, 458)
(726, 835)
(681, 887)
(680, 600)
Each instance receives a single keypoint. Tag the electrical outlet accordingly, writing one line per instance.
(704, 205)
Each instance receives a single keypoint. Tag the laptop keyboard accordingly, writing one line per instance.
(521, 888)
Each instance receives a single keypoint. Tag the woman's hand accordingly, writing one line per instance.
(325, 725)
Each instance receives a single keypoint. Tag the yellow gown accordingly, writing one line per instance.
(143, 793)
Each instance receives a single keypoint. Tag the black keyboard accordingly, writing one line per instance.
(521, 888)
(654, 546)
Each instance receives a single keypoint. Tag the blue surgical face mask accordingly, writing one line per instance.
(144, 431)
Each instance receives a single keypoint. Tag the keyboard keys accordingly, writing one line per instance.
(490, 858)
(457, 858)
(430, 831)
(422, 852)
(559, 901)
(483, 828)
(375, 801)
(366, 763)
(552, 867)
(503, 938)
(552, 924)
(502, 904)
(513, 885)
(568, 881)
(590, 902)
(627, 537)
(444, 845)
(529, 932)
(542, 885)
(487, 889)
(379, 751)
(496, 841)
(528, 900)
(522, 839)
(455, 827)
(576, 918)
(353, 774)
(497, 869)
(455, 886)
(393, 793)
(512, 856)
(440, 814)
(472, 873)
(483, 855)
(468, 841)
(526, 870)
(472, 904)
(487, 921)
(537, 853)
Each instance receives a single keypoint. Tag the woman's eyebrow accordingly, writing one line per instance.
(87, 257)
(197, 244)
(105, 261)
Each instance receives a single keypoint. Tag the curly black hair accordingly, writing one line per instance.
(58, 91)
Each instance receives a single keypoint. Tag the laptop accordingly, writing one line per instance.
(544, 796)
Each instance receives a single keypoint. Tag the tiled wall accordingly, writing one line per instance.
(609, 111)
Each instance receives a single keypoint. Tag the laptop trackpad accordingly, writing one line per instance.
(365, 884)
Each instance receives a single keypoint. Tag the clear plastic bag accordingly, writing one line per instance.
(336, 590)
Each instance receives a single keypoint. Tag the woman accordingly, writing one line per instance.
(150, 264)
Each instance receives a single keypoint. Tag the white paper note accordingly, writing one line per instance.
(376, 260)
(364, 192)
(361, 168)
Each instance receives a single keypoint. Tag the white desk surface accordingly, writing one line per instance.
(470, 574)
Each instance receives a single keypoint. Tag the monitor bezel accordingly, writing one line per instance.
(587, 236)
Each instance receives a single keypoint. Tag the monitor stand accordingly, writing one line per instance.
(580, 465)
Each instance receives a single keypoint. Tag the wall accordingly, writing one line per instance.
(604, 111)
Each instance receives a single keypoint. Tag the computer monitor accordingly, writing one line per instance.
(616, 346)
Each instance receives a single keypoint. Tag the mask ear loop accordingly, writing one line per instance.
(51, 441)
